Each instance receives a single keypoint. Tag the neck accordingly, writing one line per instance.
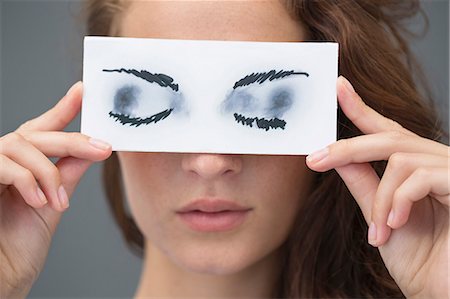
(162, 278)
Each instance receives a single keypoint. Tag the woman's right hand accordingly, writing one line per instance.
(34, 192)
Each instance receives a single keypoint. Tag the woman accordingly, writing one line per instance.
(304, 235)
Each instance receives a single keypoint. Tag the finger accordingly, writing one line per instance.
(374, 147)
(400, 166)
(13, 174)
(364, 117)
(62, 144)
(422, 182)
(362, 182)
(71, 170)
(58, 117)
(16, 148)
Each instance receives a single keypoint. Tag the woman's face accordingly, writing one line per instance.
(214, 237)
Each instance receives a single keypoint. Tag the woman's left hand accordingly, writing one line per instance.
(407, 210)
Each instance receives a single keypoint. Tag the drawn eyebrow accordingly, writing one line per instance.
(262, 77)
(161, 79)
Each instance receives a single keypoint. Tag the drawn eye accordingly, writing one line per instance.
(257, 101)
(147, 103)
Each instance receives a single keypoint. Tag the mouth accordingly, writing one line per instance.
(213, 215)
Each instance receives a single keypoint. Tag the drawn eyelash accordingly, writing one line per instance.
(137, 121)
(261, 123)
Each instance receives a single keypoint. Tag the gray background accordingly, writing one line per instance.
(41, 57)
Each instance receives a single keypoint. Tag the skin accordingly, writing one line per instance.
(413, 242)
(243, 262)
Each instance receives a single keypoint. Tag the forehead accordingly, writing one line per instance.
(246, 20)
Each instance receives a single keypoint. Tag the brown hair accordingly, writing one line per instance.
(327, 254)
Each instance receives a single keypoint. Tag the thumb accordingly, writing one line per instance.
(71, 170)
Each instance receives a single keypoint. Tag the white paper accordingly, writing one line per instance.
(130, 101)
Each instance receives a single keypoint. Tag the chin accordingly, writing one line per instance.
(215, 267)
(214, 261)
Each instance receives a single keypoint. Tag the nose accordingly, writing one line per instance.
(212, 166)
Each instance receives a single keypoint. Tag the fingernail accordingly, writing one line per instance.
(372, 236)
(318, 156)
(41, 195)
(99, 144)
(347, 84)
(390, 218)
(72, 88)
(63, 198)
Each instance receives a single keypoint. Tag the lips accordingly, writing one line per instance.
(212, 205)
(209, 215)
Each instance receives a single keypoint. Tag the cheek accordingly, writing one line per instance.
(283, 185)
(284, 179)
(146, 184)
(142, 173)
